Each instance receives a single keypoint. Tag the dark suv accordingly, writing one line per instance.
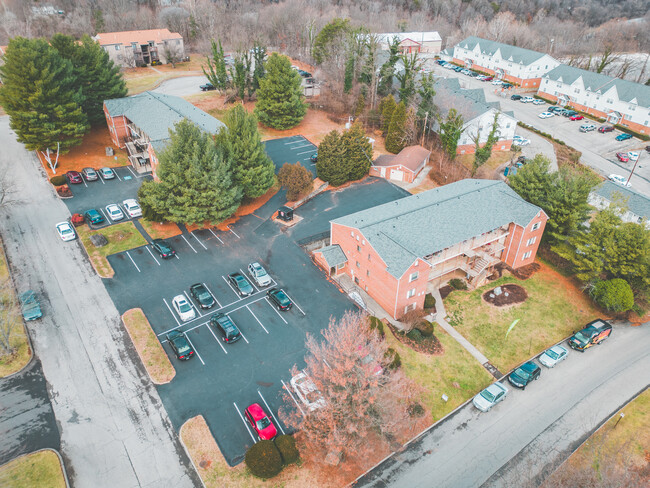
(515, 97)
(162, 247)
(226, 327)
(605, 128)
(595, 333)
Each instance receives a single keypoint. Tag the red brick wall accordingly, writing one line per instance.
(548, 96)
(471, 148)
(153, 159)
(419, 284)
(117, 128)
(320, 261)
(517, 242)
(408, 174)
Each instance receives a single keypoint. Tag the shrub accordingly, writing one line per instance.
(264, 459)
(429, 301)
(458, 284)
(425, 327)
(638, 310)
(415, 410)
(378, 325)
(613, 295)
(296, 179)
(77, 219)
(286, 444)
(58, 180)
(395, 359)
(414, 335)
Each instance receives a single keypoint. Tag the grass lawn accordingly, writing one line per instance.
(37, 470)
(157, 230)
(121, 237)
(149, 348)
(436, 374)
(22, 352)
(497, 159)
(553, 310)
(139, 80)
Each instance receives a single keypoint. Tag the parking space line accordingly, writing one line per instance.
(192, 303)
(292, 397)
(245, 423)
(300, 147)
(242, 306)
(275, 310)
(197, 239)
(195, 349)
(105, 217)
(271, 412)
(215, 235)
(302, 139)
(176, 256)
(188, 243)
(129, 168)
(154, 257)
(294, 302)
(171, 312)
(305, 152)
(213, 295)
(216, 338)
(136, 266)
(242, 334)
(118, 176)
(251, 281)
(233, 290)
(84, 181)
(258, 320)
(233, 232)
(101, 179)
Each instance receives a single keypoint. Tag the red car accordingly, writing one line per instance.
(605, 128)
(260, 422)
(489, 78)
(73, 177)
(577, 117)
(623, 157)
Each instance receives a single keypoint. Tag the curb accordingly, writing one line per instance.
(58, 455)
(180, 438)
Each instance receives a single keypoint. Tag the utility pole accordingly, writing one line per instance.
(426, 117)
(627, 183)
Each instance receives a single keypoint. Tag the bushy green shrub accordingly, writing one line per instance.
(415, 335)
(415, 410)
(638, 310)
(395, 359)
(614, 295)
(286, 444)
(58, 180)
(457, 284)
(378, 325)
(429, 301)
(264, 459)
(425, 327)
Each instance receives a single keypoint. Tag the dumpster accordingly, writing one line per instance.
(30, 305)
(285, 213)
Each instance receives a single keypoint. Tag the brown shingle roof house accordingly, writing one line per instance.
(404, 166)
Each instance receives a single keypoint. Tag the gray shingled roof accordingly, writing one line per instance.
(156, 113)
(637, 204)
(416, 226)
(599, 83)
(469, 103)
(508, 52)
(334, 255)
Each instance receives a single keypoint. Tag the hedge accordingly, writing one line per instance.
(378, 325)
(457, 284)
(415, 335)
(264, 459)
(429, 301)
(58, 180)
(286, 444)
(425, 327)
(393, 355)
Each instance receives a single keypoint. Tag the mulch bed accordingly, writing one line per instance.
(527, 271)
(445, 291)
(429, 345)
(516, 294)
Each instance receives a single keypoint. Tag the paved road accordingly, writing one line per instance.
(27, 421)
(114, 429)
(524, 438)
(182, 86)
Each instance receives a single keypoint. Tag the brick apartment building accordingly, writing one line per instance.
(141, 47)
(397, 252)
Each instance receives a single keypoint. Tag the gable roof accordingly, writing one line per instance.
(470, 103)
(413, 36)
(423, 224)
(410, 157)
(333, 255)
(627, 91)
(511, 53)
(637, 203)
(156, 113)
(138, 36)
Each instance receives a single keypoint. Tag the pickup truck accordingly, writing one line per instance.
(208, 86)
(30, 305)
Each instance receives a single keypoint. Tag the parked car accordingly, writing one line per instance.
(605, 128)
(524, 374)
(279, 299)
(647, 148)
(114, 212)
(107, 173)
(517, 140)
(623, 137)
(552, 356)
(132, 208)
(516, 97)
(307, 392)
(314, 158)
(489, 397)
(260, 422)
(207, 87)
(226, 327)
(488, 78)
(183, 308)
(577, 117)
(545, 115)
(93, 217)
(180, 345)
(259, 274)
(30, 306)
(620, 180)
(537, 101)
(163, 248)
(241, 284)
(527, 100)
(202, 295)
(73, 177)
(555, 109)
(441, 62)
(587, 127)
(497, 82)
(466, 71)
(506, 86)
(594, 333)
(66, 232)
(633, 155)
(90, 174)
(622, 157)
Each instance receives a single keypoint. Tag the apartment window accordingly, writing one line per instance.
(410, 307)
(413, 276)
(117, 47)
(576, 91)
(363, 242)
(352, 233)
(536, 226)
(357, 237)
(358, 248)
(358, 264)
(527, 254)
(632, 108)
(531, 241)
(368, 273)
(410, 293)
(610, 101)
(368, 256)
(508, 125)
(356, 280)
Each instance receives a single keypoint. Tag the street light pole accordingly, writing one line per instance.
(633, 168)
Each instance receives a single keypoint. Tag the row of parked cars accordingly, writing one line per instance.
(594, 333)
(89, 174)
(474, 74)
(574, 115)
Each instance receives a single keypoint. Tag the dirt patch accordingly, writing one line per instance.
(428, 345)
(526, 272)
(510, 294)
(160, 230)
(445, 291)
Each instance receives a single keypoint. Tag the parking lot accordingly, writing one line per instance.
(295, 149)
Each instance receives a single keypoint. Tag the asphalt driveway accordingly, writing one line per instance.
(295, 149)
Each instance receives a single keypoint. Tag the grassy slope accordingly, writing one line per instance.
(37, 470)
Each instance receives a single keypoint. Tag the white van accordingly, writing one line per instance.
(587, 127)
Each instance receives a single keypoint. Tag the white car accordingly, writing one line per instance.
(307, 392)
(132, 208)
(633, 155)
(520, 141)
(183, 308)
(114, 212)
(259, 274)
(489, 397)
(620, 180)
(66, 232)
(527, 100)
(537, 101)
(554, 355)
(497, 82)
(545, 115)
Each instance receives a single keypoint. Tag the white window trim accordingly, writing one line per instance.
(410, 293)
(412, 277)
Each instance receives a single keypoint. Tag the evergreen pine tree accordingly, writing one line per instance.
(41, 96)
(259, 58)
(357, 152)
(349, 73)
(280, 102)
(253, 170)
(387, 107)
(217, 73)
(330, 156)
(396, 130)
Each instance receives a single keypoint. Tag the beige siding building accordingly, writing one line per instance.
(142, 47)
